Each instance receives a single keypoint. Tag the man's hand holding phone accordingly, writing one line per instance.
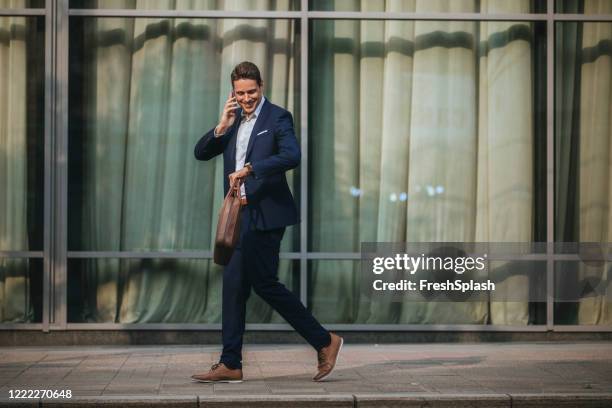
(228, 116)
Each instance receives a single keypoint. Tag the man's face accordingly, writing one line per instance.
(248, 94)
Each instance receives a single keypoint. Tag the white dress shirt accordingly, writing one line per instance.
(244, 134)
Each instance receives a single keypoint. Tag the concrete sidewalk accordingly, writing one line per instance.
(412, 375)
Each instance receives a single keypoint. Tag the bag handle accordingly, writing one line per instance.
(233, 190)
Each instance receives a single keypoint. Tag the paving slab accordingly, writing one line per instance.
(280, 401)
(531, 374)
(125, 401)
(561, 400)
(432, 401)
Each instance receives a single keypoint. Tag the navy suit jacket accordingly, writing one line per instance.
(272, 150)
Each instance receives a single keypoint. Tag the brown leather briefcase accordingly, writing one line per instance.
(228, 227)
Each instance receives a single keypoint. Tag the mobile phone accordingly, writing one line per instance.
(234, 96)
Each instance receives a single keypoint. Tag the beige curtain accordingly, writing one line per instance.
(15, 302)
(583, 160)
(505, 162)
(595, 157)
(417, 125)
(152, 95)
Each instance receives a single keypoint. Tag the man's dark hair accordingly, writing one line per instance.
(246, 70)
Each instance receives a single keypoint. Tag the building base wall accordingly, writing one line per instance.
(17, 338)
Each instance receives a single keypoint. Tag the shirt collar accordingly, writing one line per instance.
(257, 110)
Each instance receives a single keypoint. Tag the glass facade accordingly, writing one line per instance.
(583, 293)
(22, 139)
(111, 290)
(595, 7)
(336, 296)
(21, 290)
(433, 6)
(417, 123)
(225, 5)
(583, 152)
(408, 139)
(142, 91)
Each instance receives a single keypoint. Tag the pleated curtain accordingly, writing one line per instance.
(152, 95)
(583, 162)
(419, 131)
(431, 123)
(15, 298)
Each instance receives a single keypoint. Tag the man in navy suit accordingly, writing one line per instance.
(259, 145)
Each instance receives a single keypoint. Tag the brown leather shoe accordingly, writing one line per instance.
(219, 373)
(328, 356)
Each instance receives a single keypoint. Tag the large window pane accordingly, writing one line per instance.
(583, 132)
(583, 166)
(142, 93)
(430, 6)
(583, 292)
(22, 64)
(21, 284)
(426, 131)
(158, 291)
(584, 6)
(336, 295)
(227, 5)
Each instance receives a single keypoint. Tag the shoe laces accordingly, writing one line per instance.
(215, 366)
(321, 357)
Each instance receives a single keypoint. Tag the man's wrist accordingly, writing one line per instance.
(219, 131)
(249, 168)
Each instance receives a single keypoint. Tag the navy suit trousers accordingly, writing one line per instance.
(254, 264)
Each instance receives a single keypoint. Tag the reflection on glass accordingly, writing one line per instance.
(429, 6)
(21, 133)
(158, 291)
(142, 93)
(583, 132)
(224, 5)
(583, 292)
(335, 295)
(426, 131)
(21, 297)
(584, 6)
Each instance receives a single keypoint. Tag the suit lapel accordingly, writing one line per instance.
(259, 125)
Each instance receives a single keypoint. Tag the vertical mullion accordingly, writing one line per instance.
(304, 146)
(61, 156)
(550, 165)
(47, 312)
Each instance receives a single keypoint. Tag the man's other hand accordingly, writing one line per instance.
(240, 174)
(228, 116)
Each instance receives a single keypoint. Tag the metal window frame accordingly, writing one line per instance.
(49, 161)
(550, 167)
(4, 12)
(55, 252)
(157, 255)
(22, 254)
(45, 253)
